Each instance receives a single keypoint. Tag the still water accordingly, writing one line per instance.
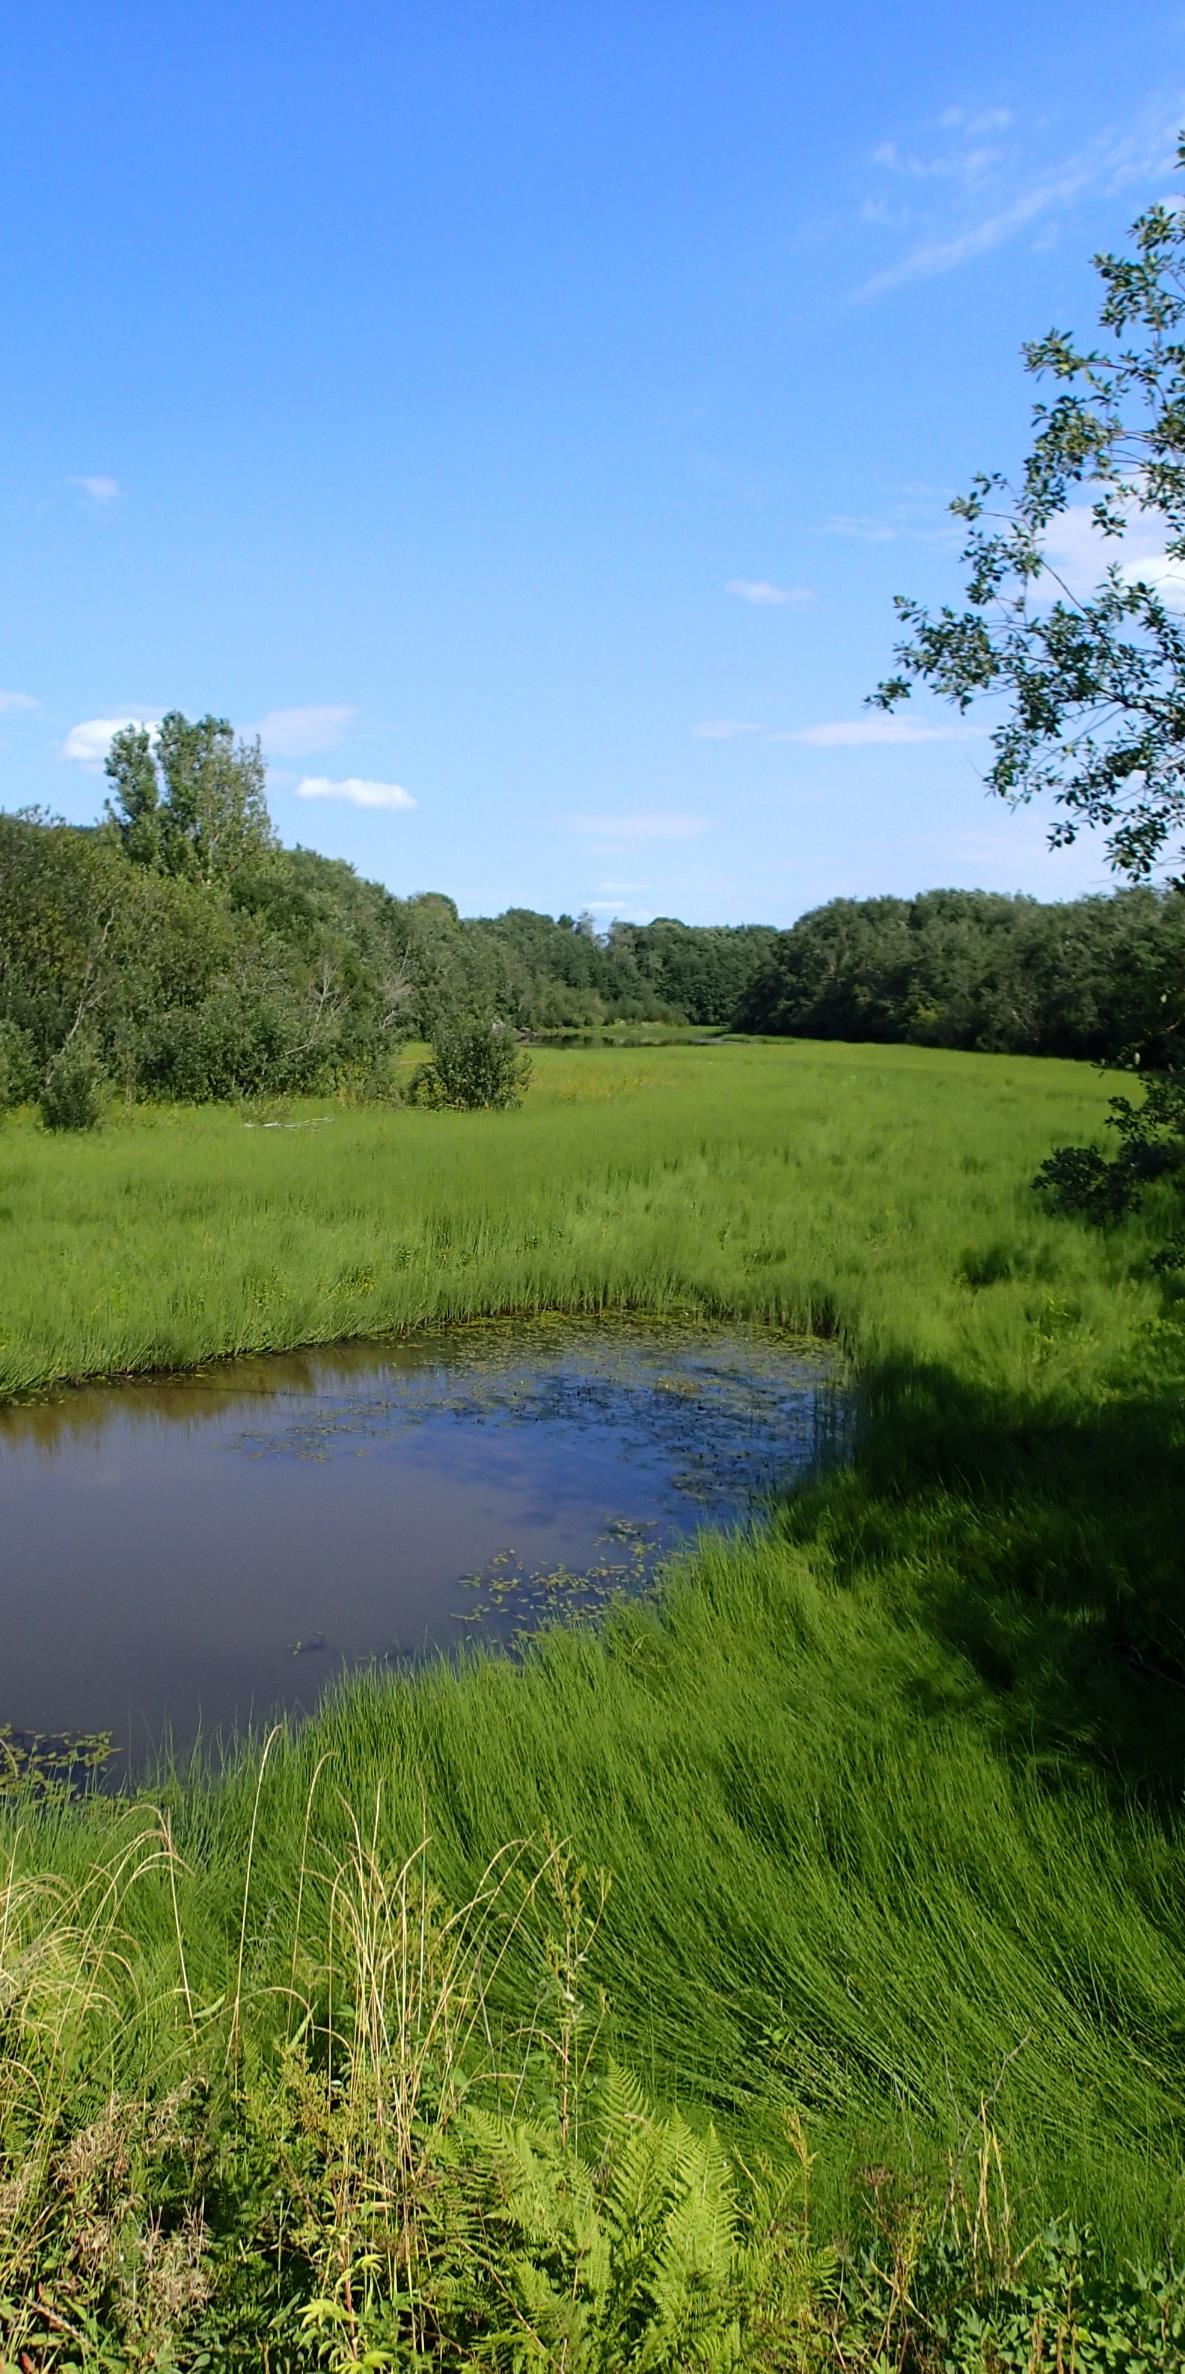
(181, 1557)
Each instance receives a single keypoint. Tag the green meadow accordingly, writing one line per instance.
(860, 1844)
(873, 1193)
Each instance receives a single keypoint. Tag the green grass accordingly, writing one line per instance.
(858, 1190)
(888, 1794)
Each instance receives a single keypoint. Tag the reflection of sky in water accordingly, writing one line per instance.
(165, 1544)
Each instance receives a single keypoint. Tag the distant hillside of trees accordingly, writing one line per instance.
(1100, 977)
(178, 951)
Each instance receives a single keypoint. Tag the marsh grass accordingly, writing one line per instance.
(876, 1192)
(385, 2154)
(887, 1792)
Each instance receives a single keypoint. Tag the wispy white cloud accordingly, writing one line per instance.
(976, 121)
(1004, 852)
(99, 490)
(936, 256)
(847, 733)
(859, 733)
(920, 515)
(866, 531)
(655, 824)
(990, 179)
(10, 701)
(609, 906)
(297, 733)
(356, 790)
(89, 742)
(963, 163)
(723, 729)
(763, 595)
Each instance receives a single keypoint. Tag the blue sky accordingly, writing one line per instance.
(528, 412)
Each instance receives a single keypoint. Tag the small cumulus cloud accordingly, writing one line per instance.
(656, 824)
(1163, 573)
(859, 733)
(355, 790)
(296, 733)
(11, 701)
(764, 596)
(99, 489)
(723, 729)
(88, 743)
(1078, 556)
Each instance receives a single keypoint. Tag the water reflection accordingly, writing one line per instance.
(195, 1552)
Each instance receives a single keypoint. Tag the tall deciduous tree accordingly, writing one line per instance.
(189, 799)
(1094, 684)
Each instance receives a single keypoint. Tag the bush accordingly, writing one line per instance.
(378, 1079)
(18, 1067)
(475, 1066)
(71, 1094)
(1151, 1148)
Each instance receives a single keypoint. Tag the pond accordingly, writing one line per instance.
(182, 1556)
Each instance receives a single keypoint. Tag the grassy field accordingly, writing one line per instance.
(875, 1192)
(887, 1797)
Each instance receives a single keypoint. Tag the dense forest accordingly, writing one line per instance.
(184, 954)
(1100, 977)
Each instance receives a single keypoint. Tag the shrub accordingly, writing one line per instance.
(71, 1095)
(377, 1079)
(18, 1067)
(1151, 1148)
(475, 1065)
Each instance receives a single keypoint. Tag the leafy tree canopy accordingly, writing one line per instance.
(178, 951)
(188, 798)
(1094, 686)
(1095, 977)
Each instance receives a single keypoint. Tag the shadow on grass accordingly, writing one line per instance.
(1046, 1547)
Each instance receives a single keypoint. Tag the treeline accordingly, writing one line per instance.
(1101, 978)
(178, 951)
